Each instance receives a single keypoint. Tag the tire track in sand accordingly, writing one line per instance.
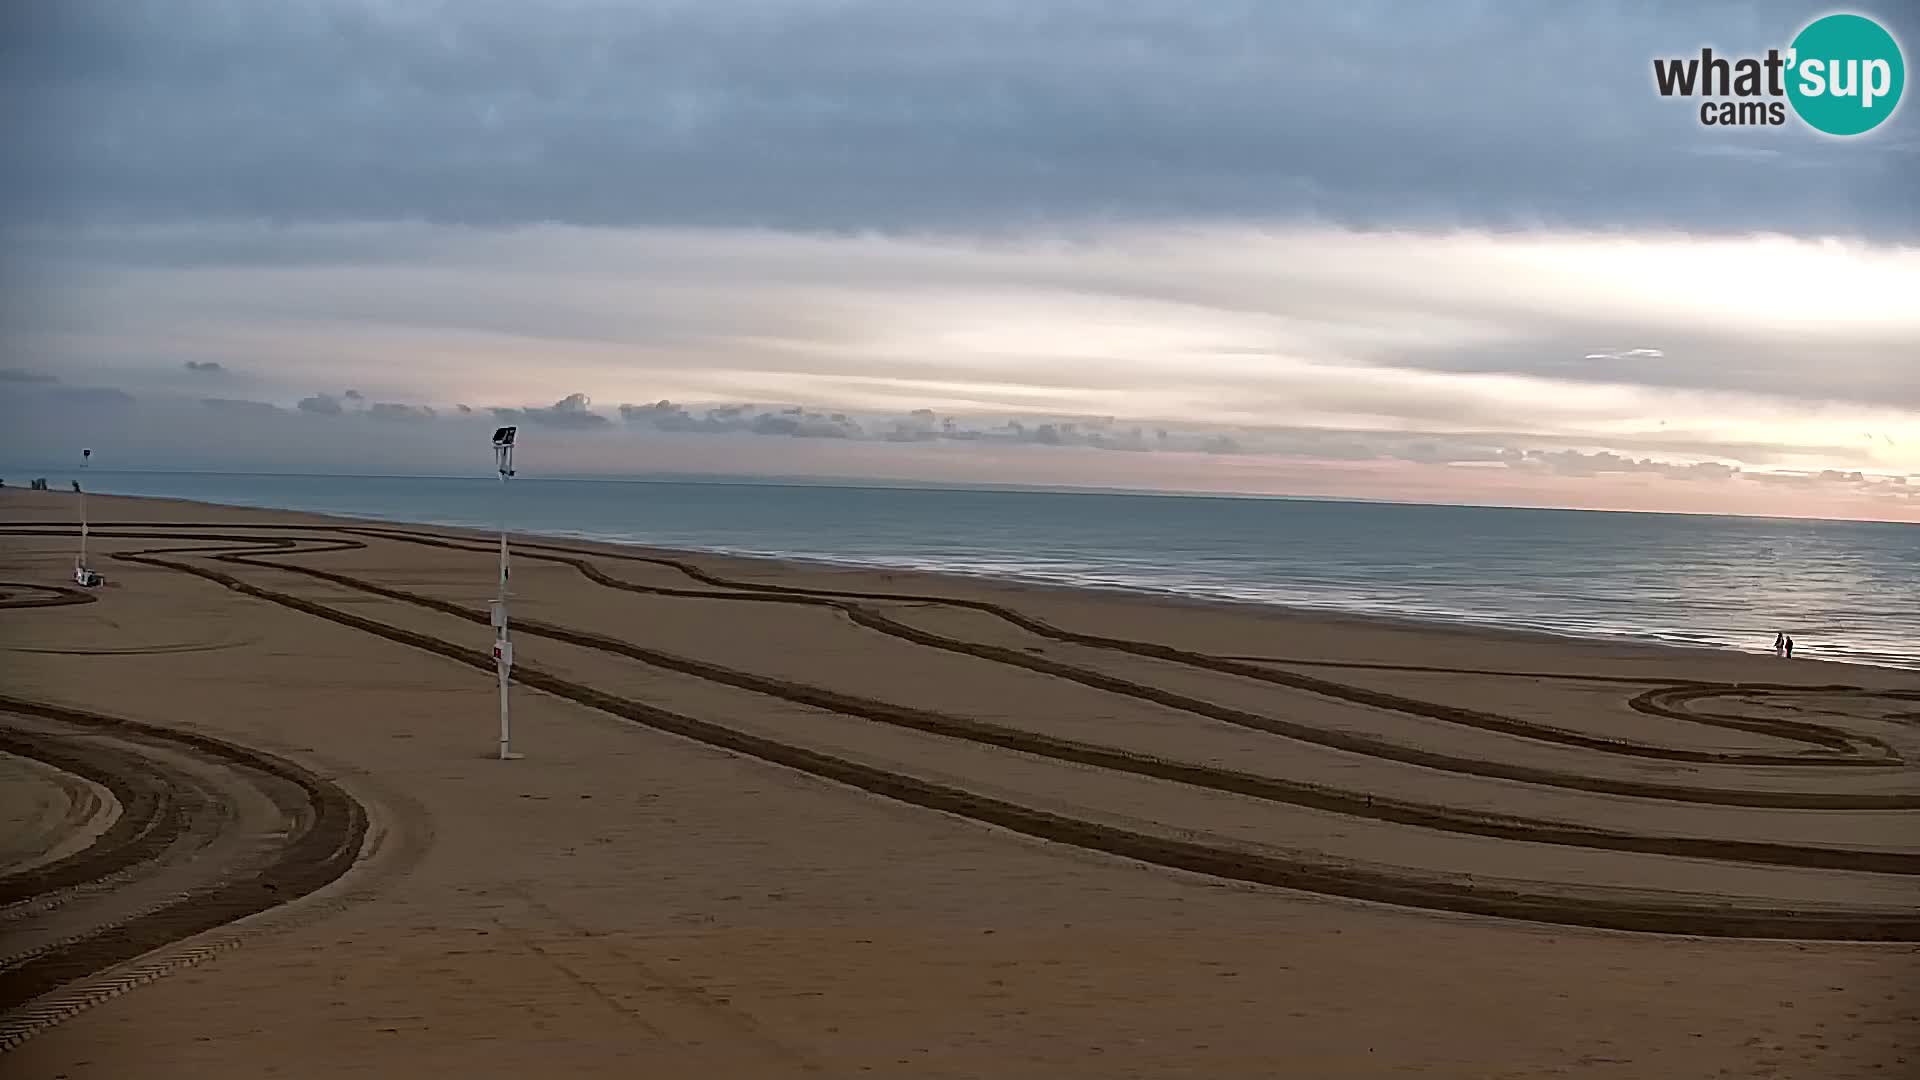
(1304, 873)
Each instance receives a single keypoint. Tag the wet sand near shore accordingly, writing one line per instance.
(781, 820)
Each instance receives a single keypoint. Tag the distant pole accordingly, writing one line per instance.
(86, 452)
(502, 643)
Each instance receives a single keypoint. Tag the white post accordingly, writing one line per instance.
(86, 453)
(506, 728)
(502, 643)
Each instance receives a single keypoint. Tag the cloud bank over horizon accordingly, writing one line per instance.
(571, 438)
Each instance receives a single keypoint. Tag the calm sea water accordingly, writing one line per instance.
(1845, 590)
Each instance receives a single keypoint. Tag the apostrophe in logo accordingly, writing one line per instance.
(1847, 74)
(1842, 74)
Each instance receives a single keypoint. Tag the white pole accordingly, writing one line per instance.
(85, 454)
(502, 643)
(501, 657)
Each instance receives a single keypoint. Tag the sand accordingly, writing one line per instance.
(905, 825)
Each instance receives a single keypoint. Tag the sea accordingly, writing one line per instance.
(1844, 590)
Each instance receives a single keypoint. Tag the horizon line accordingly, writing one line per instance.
(881, 483)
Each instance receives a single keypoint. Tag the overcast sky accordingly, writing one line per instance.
(1454, 252)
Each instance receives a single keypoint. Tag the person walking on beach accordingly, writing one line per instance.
(1789, 646)
(1780, 644)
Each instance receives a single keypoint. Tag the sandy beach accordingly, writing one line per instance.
(777, 820)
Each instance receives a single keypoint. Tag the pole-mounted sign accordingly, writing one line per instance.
(502, 644)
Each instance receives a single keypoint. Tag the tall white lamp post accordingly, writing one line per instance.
(82, 574)
(502, 643)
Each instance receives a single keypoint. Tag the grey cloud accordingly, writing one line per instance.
(206, 367)
(918, 425)
(180, 432)
(1108, 433)
(911, 112)
(329, 405)
(1102, 433)
(1429, 452)
(1577, 463)
(91, 395)
(1855, 481)
(666, 416)
(1708, 470)
(240, 405)
(390, 410)
(800, 423)
(353, 395)
(1889, 487)
(793, 421)
(21, 375)
(573, 411)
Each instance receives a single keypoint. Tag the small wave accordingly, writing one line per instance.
(1688, 582)
(1268, 596)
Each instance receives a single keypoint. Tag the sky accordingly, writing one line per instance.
(1441, 253)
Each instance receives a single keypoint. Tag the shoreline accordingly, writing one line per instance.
(1462, 628)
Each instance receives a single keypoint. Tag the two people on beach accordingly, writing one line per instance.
(1783, 646)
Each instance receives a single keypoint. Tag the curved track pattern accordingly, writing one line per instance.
(1828, 752)
(19, 594)
(210, 833)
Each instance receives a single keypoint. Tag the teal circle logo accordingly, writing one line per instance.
(1846, 74)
